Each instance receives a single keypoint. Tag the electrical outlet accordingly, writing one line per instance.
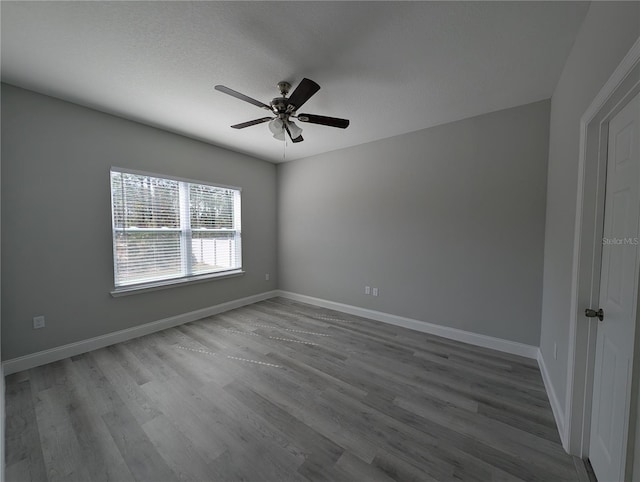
(375, 291)
(555, 351)
(38, 322)
(367, 290)
(266, 276)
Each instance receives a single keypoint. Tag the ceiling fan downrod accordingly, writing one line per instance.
(284, 88)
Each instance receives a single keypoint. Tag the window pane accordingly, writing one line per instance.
(213, 251)
(143, 256)
(144, 201)
(211, 207)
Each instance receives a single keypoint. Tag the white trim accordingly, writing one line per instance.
(574, 434)
(506, 346)
(170, 177)
(61, 352)
(127, 290)
(627, 64)
(556, 406)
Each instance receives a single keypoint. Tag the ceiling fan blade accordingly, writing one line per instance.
(240, 96)
(324, 120)
(252, 123)
(297, 139)
(303, 93)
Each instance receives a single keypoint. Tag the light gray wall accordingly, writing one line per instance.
(56, 220)
(447, 222)
(608, 32)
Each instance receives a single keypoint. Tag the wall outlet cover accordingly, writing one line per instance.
(38, 322)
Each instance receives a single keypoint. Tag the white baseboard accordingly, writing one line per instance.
(556, 408)
(506, 346)
(61, 352)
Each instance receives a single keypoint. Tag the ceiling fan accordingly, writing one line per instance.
(285, 108)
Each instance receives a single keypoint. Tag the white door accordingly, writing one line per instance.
(618, 298)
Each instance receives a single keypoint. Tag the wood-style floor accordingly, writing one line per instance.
(282, 391)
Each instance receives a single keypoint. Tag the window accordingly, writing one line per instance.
(172, 229)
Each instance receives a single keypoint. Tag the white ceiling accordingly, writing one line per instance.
(389, 67)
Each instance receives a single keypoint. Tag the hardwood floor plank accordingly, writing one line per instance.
(293, 395)
(351, 467)
(254, 425)
(130, 364)
(140, 455)
(177, 450)
(234, 467)
(138, 403)
(23, 455)
(544, 430)
(89, 374)
(412, 338)
(187, 418)
(284, 391)
(472, 458)
(98, 451)
(60, 446)
(324, 450)
(455, 386)
(511, 441)
(401, 470)
(21, 471)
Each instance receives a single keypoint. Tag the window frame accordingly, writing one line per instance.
(154, 285)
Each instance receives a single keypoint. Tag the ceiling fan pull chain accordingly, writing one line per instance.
(284, 150)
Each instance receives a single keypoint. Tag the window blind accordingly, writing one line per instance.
(167, 229)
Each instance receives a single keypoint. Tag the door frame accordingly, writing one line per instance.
(621, 87)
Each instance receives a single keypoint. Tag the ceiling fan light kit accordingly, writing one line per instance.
(284, 109)
(276, 126)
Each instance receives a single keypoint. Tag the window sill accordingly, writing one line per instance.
(161, 285)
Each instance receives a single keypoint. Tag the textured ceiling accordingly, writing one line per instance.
(389, 67)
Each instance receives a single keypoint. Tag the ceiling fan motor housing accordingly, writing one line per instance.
(279, 104)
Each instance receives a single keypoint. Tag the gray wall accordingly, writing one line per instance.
(447, 222)
(608, 32)
(56, 220)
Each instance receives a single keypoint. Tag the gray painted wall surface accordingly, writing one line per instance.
(608, 32)
(56, 220)
(447, 222)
